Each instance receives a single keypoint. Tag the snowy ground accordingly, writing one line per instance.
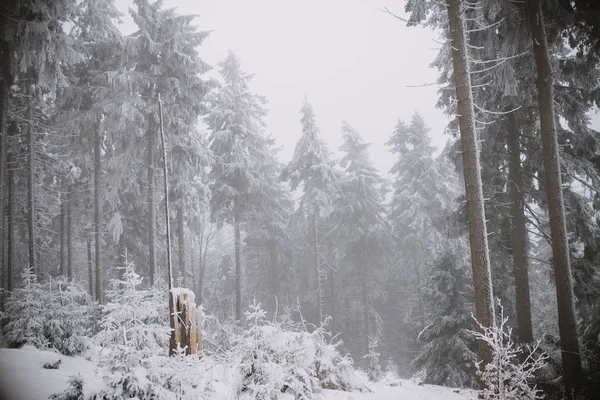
(23, 378)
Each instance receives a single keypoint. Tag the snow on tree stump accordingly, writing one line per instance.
(188, 335)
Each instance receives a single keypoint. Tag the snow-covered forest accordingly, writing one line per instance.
(156, 245)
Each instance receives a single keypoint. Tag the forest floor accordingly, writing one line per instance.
(22, 377)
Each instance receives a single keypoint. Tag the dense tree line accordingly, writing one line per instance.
(377, 261)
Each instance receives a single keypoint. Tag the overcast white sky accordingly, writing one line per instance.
(352, 61)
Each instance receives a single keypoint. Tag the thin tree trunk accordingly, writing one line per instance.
(319, 316)
(90, 267)
(173, 341)
(193, 267)
(97, 211)
(571, 359)
(519, 232)
(9, 224)
(201, 264)
(365, 299)
(151, 212)
(5, 104)
(181, 243)
(480, 262)
(69, 232)
(238, 266)
(31, 188)
(62, 233)
(273, 273)
(419, 293)
(333, 316)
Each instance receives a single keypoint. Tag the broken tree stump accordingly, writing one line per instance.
(187, 332)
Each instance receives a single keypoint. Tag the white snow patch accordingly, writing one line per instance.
(22, 377)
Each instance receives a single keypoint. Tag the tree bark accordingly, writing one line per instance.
(273, 273)
(97, 211)
(571, 359)
(69, 232)
(519, 231)
(9, 224)
(480, 262)
(238, 266)
(173, 341)
(319, 310)
(61, 263)
(181, 243)
(365, 300)
(151, 216)
(90, 267)
(31, 186)
(7, 79)
(333, 316)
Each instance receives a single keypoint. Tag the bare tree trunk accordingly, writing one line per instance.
(319, 310)
(238, 266)
(69, 232)
(151, 211)
(181, 243)
(9, 224)
(97, 211)
(62, 232)
(332, 293)
(273, 273)
(5, 50)
(419, 293)
(201, 264)
(571, 359)
(173, 341)
(193, 267)
(90, 267)
(31, 187)
(519, 231)
(480, 262)
(365, 299)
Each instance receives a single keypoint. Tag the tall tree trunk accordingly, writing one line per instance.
(31, 186)
(331, 277)
(571, 359)
(319, 310)
(173, 341)
(61, 263)
(90, 267)
(6, 53)
(181, 243)
(151, 216)
(480, 261)
(69, 232)
(97, 211)
(194, 284)
(238, 265)
(419, 293)
(9, 223)
(365, 299)
(201, 264)
(519, 231)
(273, 273)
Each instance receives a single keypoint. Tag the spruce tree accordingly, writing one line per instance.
(238, 182)
(312, 169)
(449, 352)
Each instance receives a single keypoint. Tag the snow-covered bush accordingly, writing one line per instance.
(374, 371)
(132, 317)
(334, 370)
(73, 392)
(54, 314)
(131, 339)
(68, 317)
(506, 377)
(270, 361)
(25, 311)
